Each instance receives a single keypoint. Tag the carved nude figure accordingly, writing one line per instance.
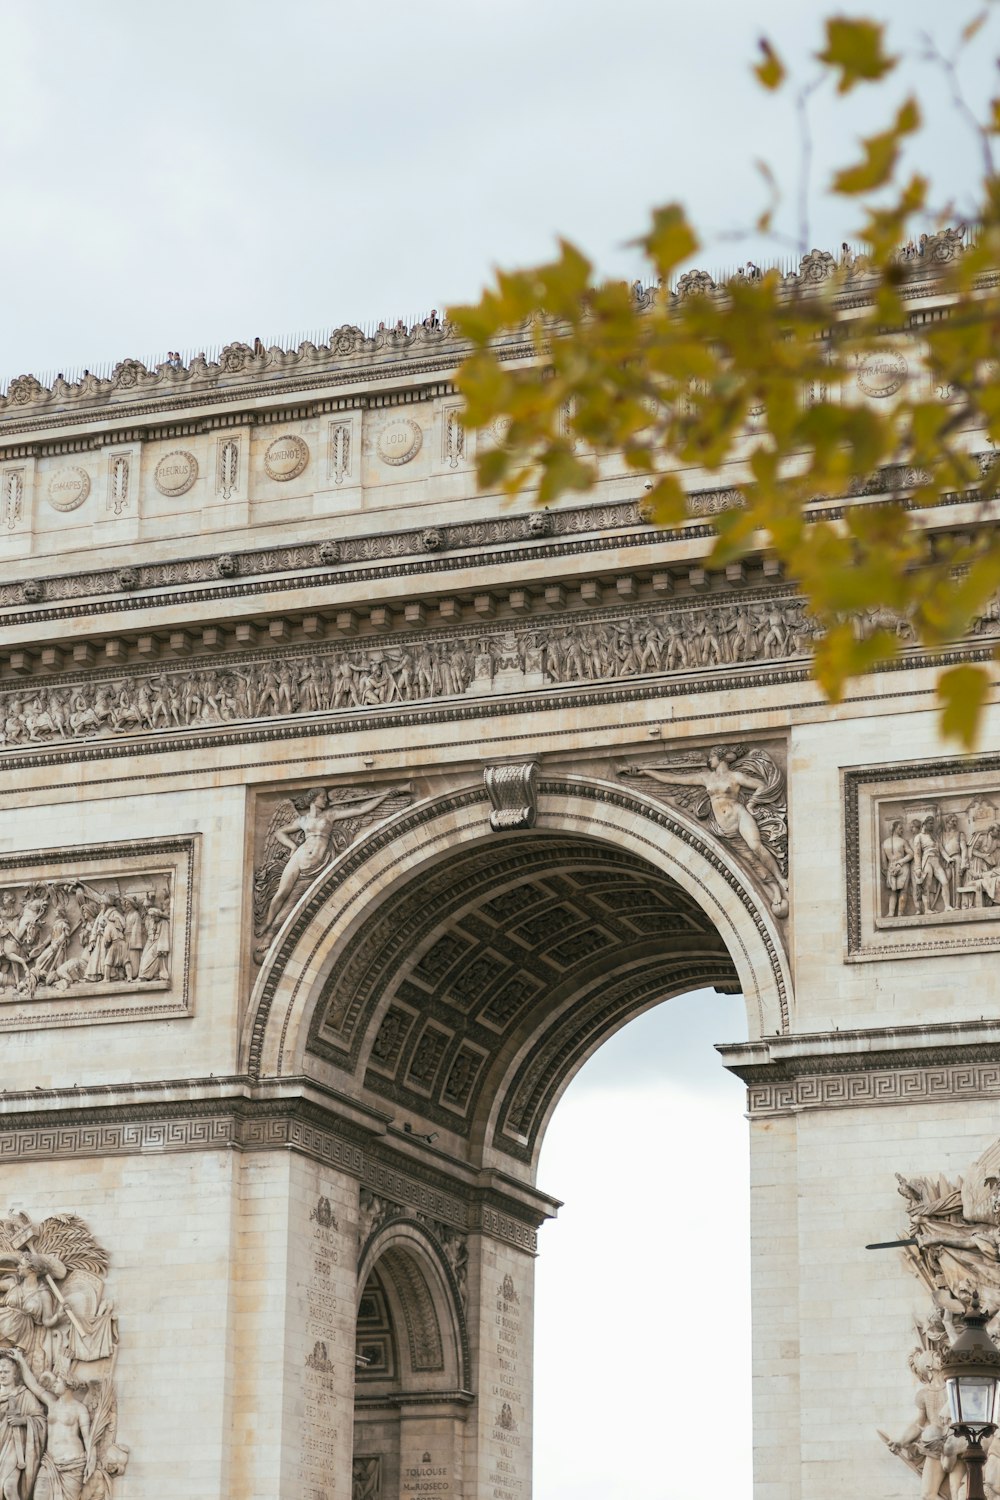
(308, 857)
(735, 819)
(68, 1460)
(897, 856)
(928, 1441)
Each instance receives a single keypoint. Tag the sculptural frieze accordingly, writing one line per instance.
(739, 791)
(922, 858)
(58, 1350)
(61, 935)
(403, 668)
(299, 835)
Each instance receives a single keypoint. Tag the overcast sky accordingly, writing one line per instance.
(182, 175)
(178, 176)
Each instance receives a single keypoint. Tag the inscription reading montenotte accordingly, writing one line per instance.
(399, 441)
(286, 457)
(69, 488)
(176, 473)
(506, 1461)
(318, 1434)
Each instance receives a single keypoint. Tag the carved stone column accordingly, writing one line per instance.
(295, 1330)
(501, 1335)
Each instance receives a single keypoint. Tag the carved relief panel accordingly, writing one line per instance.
(98, 934)
(923, 858)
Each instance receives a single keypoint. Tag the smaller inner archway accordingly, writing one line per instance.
(411, 1355)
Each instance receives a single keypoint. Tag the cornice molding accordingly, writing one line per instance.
(868, 1068)
(447, 1192)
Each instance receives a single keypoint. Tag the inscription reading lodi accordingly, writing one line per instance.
(318, 1430)
(69, 488)
(175, 473)
(286, 457)
(399, 441)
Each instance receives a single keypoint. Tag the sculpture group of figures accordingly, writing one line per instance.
(953, 1246)
(933, 861)
(58, 1345)
(61, 934)
(712, 637)
(740, 793)
(385, 674)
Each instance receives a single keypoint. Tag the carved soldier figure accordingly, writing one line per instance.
(460, 668)
(653, 642)
(572, 657)
(156, 920)
(134, 935)
(54, 952)
(676, 651)
(15, 729)
(897, 857)
(404, 676)
(928, 861)
(955, 850)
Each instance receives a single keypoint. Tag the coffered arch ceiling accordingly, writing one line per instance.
(471, 994)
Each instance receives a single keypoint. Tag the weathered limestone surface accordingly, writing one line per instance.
(345, 811)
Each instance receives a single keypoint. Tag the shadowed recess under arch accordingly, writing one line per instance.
(542, 943)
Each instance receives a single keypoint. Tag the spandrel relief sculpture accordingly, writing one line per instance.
(739, 792)
(58, 1350)
(300, 835)
(951, 1244)
(938, 859)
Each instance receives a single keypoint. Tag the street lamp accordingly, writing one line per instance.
(971, 1369)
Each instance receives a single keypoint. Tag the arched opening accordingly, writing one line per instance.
(411, 1355)
(453, 980)
(644, 1274)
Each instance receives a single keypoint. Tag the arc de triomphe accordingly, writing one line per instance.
(346, 810)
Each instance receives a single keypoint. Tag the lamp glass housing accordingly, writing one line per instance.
(973, 1399)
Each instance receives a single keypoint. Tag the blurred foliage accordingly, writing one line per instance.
(762, 373)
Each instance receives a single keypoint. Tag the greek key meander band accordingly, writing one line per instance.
(228, 1130)
(886, 1086)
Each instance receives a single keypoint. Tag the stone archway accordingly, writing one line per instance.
(306, 1003)
(412, 1355)
(446, 980)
